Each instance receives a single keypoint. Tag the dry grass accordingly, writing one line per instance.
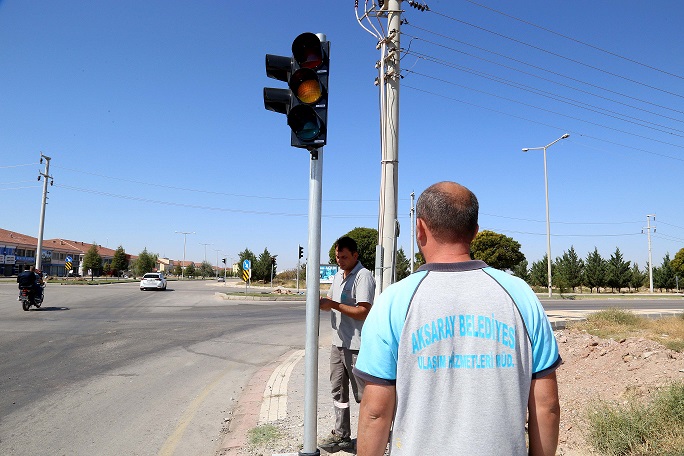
(619, 324)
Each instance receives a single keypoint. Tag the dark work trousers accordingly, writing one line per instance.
(342, 361)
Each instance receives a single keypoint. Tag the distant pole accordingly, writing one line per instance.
(45, 176)
(650, 261)
(412, 215)
(548, 223)
(298, 266)
(217, 263)
(389, 136)
(185, 239)
(205, 250)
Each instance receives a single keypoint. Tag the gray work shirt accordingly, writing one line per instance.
(358, 286)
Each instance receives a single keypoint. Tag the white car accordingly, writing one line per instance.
(153, 281)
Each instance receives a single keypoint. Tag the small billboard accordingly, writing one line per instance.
(328, 271)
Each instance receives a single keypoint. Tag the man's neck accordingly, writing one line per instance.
(345, 273)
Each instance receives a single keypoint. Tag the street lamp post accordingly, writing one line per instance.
(546, 187)
(185, 239)
(217, 263)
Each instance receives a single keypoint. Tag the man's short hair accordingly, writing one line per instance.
(345, 242)
(450, 216)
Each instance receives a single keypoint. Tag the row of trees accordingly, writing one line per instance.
(263, 268)
(569, 271)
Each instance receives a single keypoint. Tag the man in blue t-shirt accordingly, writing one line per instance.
(456, 356)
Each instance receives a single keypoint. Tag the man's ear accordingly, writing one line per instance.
(421, 231)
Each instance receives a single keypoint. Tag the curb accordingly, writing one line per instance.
(246, 414)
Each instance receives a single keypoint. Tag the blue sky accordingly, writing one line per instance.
(153, 115)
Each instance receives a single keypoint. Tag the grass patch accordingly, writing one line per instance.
(619, 324)
(263, 434)
(636, 428)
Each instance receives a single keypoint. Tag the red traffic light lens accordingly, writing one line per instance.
(306, 49)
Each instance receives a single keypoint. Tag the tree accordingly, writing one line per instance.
(677, 264)
(261, 269)
(569, 269)
(190, 270)
(618, 271)
(206, 269)
(403, 265)
(521, 270)
(92, 261)
(366, 240)
(637, 278)
(539, 274)
(177, 270)
(594, 271)
(664, 276)
(119, 261)
(107, 269)
(419, 260)
(146, 262)
(497, 250)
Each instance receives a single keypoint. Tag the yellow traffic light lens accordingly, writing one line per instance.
(309, 91)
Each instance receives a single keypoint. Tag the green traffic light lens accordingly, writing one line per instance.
(304, 122)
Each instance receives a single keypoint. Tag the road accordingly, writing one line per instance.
(111, 370)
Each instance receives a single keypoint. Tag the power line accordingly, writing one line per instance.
(501, 35)
(555, 73)
(558, 113)
(18, 166)
(576, 40)
(542, 123)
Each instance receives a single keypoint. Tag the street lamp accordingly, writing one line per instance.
(546, 187)
(185, 238)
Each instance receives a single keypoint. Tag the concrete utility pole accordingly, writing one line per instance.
(205, 250)
(388, 82)
(648, 229)
(217, 263)
(45, 176)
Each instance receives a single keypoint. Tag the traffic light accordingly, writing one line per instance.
(223, 260)
(306, 101)
(301, 251)
(273, 261)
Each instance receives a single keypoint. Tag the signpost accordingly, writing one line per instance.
(68, 265)
(246, 272)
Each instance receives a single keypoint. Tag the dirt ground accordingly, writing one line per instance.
(595, 368)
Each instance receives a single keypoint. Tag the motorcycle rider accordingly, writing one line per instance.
(32, 280)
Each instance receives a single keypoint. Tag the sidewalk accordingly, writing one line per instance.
(275, 396)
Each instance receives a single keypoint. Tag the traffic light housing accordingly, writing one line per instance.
(223, 260)
(301, 252)
(305, 103)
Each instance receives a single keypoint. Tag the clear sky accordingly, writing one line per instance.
(152, 112)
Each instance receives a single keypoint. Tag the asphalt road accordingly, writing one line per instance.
(111, 370)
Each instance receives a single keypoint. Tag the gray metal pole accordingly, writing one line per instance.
(390, 160)
(313, 294)
(548, 224)
(41, 226)
(412, 215)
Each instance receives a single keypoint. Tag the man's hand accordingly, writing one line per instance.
(326, 304)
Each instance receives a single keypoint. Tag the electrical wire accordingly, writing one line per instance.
(538, 48)
(561, 114)
(18, 166)
(542, 123)
(555, 73)
(576, 40)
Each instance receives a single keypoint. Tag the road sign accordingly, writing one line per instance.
(67, 263)
(246, 264)
(246, 275)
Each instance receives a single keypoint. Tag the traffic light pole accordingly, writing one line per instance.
(313, 294)
(389, 181)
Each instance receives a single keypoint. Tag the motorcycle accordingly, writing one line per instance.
(28, 298)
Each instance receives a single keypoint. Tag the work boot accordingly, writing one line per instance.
(335, 443)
